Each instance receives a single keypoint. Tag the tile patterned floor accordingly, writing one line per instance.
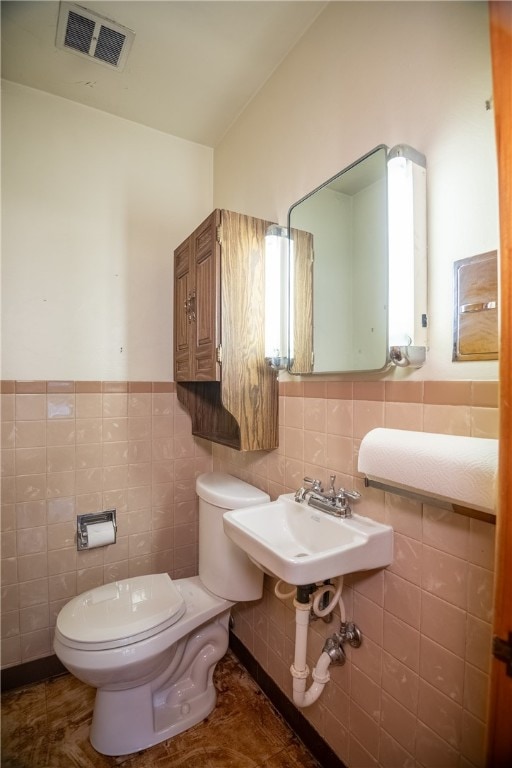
(46, 726)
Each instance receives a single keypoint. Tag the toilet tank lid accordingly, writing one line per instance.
(118, 611)
(228, 492)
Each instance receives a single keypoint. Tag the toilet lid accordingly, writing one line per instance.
(121, 613)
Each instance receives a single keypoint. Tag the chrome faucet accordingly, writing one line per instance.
(333, 502)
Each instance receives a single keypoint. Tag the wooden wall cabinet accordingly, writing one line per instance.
(219, 301)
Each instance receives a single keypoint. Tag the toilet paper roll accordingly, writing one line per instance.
(100, 534)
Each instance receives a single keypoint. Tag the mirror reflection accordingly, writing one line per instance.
(339, 272)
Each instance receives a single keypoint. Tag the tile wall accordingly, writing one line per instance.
(70, 448)
(413, 694)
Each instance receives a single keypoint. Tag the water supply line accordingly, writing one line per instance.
(308, 598)
(334, 589)
(283, 595)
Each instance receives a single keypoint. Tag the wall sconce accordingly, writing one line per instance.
(407, 223)
(278, 282)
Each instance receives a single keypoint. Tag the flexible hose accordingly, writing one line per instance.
(334, 589)
(283, 595)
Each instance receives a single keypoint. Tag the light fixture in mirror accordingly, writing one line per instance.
(407, 228)
(278, 284)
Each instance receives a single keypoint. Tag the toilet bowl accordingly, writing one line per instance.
(149, 644)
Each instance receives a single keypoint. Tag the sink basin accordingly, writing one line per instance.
(301, 545)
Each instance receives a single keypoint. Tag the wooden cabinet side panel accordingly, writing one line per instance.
(249, 386)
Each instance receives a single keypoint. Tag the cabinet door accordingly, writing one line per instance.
(197, 304)
(206, 299)
(183, 279)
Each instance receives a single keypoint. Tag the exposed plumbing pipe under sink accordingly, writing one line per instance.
(309, 599)
(299, 668)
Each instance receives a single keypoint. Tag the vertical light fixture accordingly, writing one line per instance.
(277, 296)
(407, 228)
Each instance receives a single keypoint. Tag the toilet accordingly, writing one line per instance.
(150, 644)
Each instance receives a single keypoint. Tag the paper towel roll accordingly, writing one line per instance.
(100, 534)
(451, 468)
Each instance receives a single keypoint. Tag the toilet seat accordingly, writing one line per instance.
(121, 613)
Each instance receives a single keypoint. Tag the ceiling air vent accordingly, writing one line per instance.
(93, 36)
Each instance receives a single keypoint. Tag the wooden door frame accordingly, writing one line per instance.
(499, 743)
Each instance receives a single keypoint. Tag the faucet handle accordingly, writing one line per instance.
(316, 485)
(354, 495)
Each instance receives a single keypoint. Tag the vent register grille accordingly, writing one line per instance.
(93, 36)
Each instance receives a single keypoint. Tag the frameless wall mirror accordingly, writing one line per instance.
(357, 268)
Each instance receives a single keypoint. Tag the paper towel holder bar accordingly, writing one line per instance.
(83, 521)
(459, 509)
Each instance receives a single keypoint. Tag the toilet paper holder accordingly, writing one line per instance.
(83, 522)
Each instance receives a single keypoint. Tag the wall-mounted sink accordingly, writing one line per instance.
(301, 545)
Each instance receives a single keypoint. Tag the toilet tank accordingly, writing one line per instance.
(224, 568)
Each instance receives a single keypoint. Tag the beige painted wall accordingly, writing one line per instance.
(93, 207)
(372, 73)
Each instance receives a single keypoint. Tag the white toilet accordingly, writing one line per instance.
(150, 644)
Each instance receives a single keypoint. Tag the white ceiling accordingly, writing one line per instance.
(192, 68)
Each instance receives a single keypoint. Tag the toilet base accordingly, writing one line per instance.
(129, 720)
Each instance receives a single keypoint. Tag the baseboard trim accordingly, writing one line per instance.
(31, 672)
(293, 716)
